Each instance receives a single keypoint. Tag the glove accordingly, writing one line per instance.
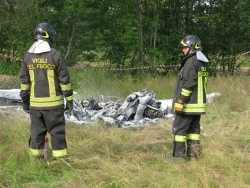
(25, 96)
(26, 107)
(178, 106)
(69, 106)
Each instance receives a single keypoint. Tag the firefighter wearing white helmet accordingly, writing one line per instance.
(190, 99)
(45, 82)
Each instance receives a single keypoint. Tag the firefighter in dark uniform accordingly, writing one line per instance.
(190, 99)
(45, 82)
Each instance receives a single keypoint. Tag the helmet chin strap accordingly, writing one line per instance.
(190, 51)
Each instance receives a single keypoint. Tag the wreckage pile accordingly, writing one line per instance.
(138, 109)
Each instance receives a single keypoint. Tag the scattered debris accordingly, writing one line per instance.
(10, 97)
(138, 109)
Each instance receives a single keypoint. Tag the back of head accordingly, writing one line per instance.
(44, 31)
(44, 36)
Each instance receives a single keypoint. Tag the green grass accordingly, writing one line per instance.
(114, 158)
(95, 83)
(9, 68)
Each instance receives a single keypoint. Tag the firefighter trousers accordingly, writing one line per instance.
(53, 122)
(186, 131)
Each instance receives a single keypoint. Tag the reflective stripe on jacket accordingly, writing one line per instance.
(192, 84)
(45, 77)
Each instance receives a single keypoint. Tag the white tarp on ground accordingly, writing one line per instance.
(12, 94)
(136, 110)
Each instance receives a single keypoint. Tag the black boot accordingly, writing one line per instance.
(193, 149)
(179, 149)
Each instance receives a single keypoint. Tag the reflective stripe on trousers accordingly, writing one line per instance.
(59, 153)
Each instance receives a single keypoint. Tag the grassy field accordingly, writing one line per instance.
(116, 158)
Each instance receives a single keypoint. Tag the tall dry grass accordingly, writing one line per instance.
(111, 157)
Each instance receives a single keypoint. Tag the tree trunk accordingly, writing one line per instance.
(70, 43)
(140, 30)
(156, 23)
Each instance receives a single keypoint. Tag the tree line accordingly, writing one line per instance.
(125, 32)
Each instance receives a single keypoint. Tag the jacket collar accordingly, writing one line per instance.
(184, 59)
(39, 46)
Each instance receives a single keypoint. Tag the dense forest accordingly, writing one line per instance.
(125, 31)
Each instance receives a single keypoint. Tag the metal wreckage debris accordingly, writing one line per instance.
(138, 109)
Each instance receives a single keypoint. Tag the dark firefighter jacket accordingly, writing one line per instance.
(191, 85)
(45, 80)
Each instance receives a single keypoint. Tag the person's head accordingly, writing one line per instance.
(190, 44)
(44, 31)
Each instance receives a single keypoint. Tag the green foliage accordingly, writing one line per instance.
(224, 64)
(126, 32)
(9, 68)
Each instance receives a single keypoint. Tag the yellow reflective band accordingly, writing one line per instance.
(46, 104)
(205, 84)
(32, 80)
(193, 137)
(195, 105)
(197, 110)
(70, 98)
(183, 43)
(46, 36)
(202, 84)
(59, 153)
(51, 80)
(65, 87)
(197, 46)
(200, 108)
(186, 92)
(200, 88)
(46, 99)
(180, 138)
(36, 152)
(24, 87)
(205, 75)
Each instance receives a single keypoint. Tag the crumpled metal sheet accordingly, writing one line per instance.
(139, 108)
